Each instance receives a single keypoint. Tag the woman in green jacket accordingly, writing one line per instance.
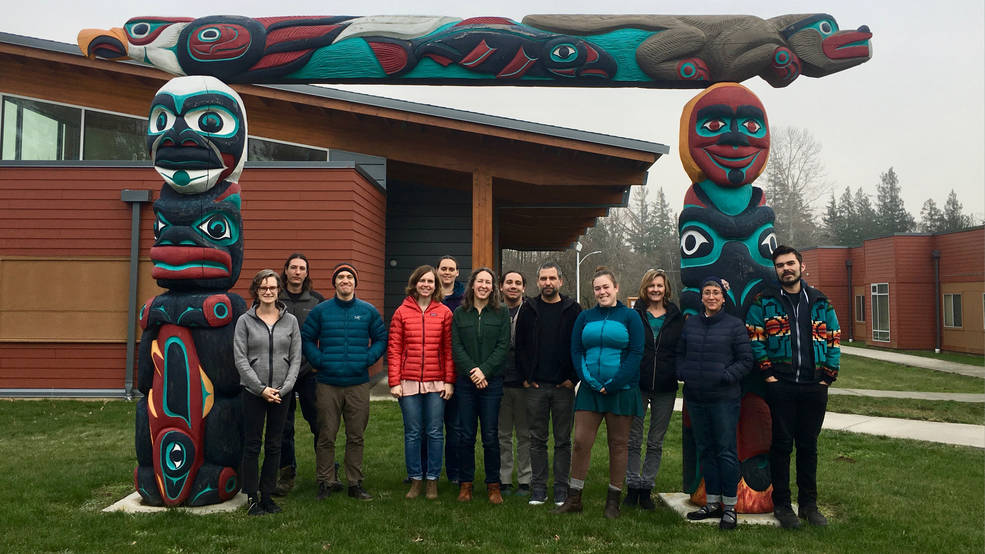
(480, 340)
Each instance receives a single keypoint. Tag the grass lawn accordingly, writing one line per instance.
(909, 408)
(959, 357)
(866, 373)
(66, 460)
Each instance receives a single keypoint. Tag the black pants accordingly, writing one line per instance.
(306, 397)
(798, 412)
(256, 410)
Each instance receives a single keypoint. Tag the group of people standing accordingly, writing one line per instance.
(482, 359)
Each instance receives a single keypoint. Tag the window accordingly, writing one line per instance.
(263, 150)
(880, 312)
(952, 310)
(860, 308)
(114, 137)
(34, 130)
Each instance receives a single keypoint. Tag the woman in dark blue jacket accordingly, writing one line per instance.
(662, 323)
(606, 349)
(713, 355)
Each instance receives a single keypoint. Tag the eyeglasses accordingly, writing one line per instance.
(268, 289)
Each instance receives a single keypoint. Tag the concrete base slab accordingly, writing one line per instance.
(681, 503)
(133, 505)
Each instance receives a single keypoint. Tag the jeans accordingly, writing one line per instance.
(714, 425)
(256, 410)
(335, 405)
(307, 398)
(661, 406)
(479, 407)
(513, 418)
(798, 412)
(423, 419)
(545, 405)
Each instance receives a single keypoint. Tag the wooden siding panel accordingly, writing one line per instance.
(62, 366)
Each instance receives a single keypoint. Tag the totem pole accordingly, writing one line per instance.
(726, 230)
(188, 424)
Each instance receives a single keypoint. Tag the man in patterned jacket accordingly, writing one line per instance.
(795, 340)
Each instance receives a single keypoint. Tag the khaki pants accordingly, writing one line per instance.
(336, 404)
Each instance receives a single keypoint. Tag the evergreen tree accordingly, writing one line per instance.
(953, 219)
(833, 221)
(868, 226)
(931, 217)
(850, 231)
(891, 215)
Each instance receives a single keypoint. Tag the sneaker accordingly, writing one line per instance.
(813, 516)
(705, 512)
(506, 490)
(537, 497)
(522, 490)
(786, 517)
(729, 519)
(254, 507)
(358, 492)
(269, 505)
(560, 495)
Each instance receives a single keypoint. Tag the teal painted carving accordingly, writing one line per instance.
(656, 51)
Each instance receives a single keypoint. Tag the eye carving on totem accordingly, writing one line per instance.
(218, 228)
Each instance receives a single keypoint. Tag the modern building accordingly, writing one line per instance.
(387, 185)
(915, 291)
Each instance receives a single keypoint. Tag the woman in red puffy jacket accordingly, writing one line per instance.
(421, 375)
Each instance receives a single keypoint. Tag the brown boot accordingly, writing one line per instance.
(611, 510)
(432, 489)
(495, 496)
(572, 504)
(285, 481)
(465, 492)
(415, 488)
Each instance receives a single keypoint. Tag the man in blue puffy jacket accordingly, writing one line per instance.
(342, 338)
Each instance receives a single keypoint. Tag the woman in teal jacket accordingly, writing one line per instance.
(480, 340)
(606, 349)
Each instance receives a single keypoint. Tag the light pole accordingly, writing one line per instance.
(578, 260)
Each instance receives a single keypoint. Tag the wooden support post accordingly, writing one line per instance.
(482, 219)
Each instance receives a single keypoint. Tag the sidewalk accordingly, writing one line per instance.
(916, 361)
(948, 433)
(948, 396)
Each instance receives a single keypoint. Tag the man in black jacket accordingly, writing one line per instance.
(299, 298)
(543, 357)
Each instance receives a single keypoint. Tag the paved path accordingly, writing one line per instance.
(951, 396)
(932, 431)
(916, 361)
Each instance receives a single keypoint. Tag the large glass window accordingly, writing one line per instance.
(880, 312)
(260, 150)
(34, 130)
(952, 310)
(114, 137)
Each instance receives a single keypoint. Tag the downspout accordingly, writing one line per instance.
(135, 198)
(851, 302)
(936, 255)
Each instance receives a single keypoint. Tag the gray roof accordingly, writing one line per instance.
(403, 105)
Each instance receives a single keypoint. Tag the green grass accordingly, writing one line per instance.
(909, 408)
(857, 372)
(958, 357)
(65, 460)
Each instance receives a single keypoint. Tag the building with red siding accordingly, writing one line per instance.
(907, 291)
(387, 185)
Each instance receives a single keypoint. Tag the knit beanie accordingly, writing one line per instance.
(712, 281)
(345, 267)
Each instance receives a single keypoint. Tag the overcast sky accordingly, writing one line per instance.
(918, 105)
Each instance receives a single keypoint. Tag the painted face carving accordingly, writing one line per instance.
(196, 133)
(726, 136)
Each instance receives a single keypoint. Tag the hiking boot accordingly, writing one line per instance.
(571, 505)
(285, 481)
(611, 510)
(358, 492)
(416, 485)
(707, 512)
(632, 497)
(254, 507)
(432, 489)
(537, 497)
(645, 501)
(522, 490)
(324, 490)
(269, 505)
(465, 492)
(495, 496)
(729, 519)
(786, 517)
(813, 516)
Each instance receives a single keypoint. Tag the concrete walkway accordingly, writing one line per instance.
(916, 361)
(932, 431)
(948, 396)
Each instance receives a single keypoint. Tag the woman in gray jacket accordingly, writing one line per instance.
(267, 350)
